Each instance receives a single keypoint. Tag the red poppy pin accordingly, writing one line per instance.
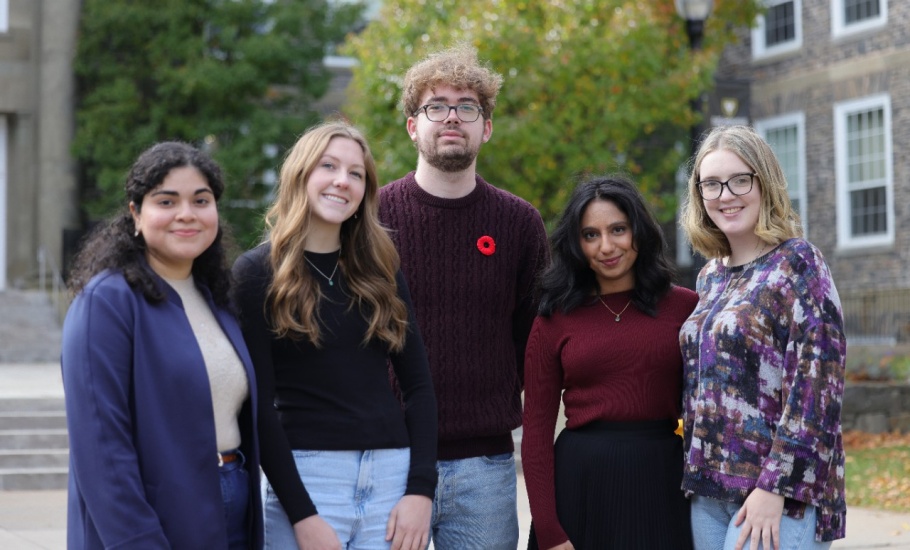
(486, 245)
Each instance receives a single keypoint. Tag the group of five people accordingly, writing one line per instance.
(370, 355)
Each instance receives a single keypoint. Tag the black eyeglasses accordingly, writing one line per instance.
(740, 184)
(438, 112)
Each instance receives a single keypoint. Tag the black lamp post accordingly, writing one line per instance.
(694, 12)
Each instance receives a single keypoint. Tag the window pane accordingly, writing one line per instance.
(868, 212)
(783, 141)
(780, 24)
(866, 146)
(866, 171)
(861, 10)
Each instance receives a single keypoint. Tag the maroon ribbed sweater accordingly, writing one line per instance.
(604, 370)
(474, 310)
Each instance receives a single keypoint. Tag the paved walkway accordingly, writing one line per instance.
(36, 520)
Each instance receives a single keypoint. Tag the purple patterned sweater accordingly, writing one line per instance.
(764, 381)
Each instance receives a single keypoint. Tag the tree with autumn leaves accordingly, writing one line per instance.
(590, 87)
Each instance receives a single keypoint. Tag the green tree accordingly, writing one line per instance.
(238, 77)
(590, 87)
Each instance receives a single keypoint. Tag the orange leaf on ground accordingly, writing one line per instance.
(863, 440)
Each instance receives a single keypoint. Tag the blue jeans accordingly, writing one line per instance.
(354, 492)
(475, 504)
(713, 527)
(235, 492)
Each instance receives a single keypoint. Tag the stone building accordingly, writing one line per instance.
(829, 87)
(38, 197)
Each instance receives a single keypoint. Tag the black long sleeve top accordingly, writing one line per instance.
(337, 397)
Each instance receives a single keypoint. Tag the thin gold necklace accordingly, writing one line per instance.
(613, 312)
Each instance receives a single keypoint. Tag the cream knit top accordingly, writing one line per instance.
(227, 378)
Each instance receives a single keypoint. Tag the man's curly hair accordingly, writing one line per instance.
(458, 67)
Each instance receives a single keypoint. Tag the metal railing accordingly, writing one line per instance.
(50, 281)
(877, 316)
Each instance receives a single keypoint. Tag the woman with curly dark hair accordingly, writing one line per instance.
(606, 341)
(160, 392)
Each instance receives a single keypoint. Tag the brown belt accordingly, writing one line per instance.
(225, 458)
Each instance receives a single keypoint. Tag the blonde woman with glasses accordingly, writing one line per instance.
(764, 356)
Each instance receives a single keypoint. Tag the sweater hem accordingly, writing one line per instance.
(456, 449)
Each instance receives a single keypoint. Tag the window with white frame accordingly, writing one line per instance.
(864, 173)
(850, 16)
(779, 28)
(786, 134)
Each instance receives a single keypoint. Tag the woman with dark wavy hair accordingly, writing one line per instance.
(160, 392)
(606, 342)
(326, 310)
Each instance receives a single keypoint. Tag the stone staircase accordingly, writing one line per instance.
(30, 329)
(34, 448)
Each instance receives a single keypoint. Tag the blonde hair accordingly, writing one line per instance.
(458, 67)
(368, 259)
(777, 221)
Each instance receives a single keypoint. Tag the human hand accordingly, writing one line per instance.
(760, 519)
(408, 527)
(314, 533)
(564, 546)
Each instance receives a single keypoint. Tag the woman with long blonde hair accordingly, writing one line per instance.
(325, 309)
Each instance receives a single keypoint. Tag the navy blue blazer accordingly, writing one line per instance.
(143, 457)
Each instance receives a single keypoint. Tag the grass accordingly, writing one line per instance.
(878, 471)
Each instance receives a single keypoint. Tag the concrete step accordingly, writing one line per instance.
(30, 329)
(34, 447)
(34, 458)
(33, 479)
(33, 439)
(32, 420)
(32, 404)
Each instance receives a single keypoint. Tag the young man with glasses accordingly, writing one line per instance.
(470, 253)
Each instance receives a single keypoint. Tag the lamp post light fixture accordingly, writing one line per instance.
(694, 12)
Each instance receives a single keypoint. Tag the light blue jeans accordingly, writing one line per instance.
(713, 527)
(354, 492)
(475, 506)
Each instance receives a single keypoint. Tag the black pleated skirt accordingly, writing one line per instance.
(618, 487)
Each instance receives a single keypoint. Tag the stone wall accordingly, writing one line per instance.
(876, 407)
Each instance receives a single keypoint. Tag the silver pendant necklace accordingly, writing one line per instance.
(327, 277)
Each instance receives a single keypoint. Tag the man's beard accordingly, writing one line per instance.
(451, 160)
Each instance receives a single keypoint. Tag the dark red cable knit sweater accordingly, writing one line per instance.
(474, 309)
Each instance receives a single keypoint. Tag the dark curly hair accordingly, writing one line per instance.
(114, 244)
(569, 281)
